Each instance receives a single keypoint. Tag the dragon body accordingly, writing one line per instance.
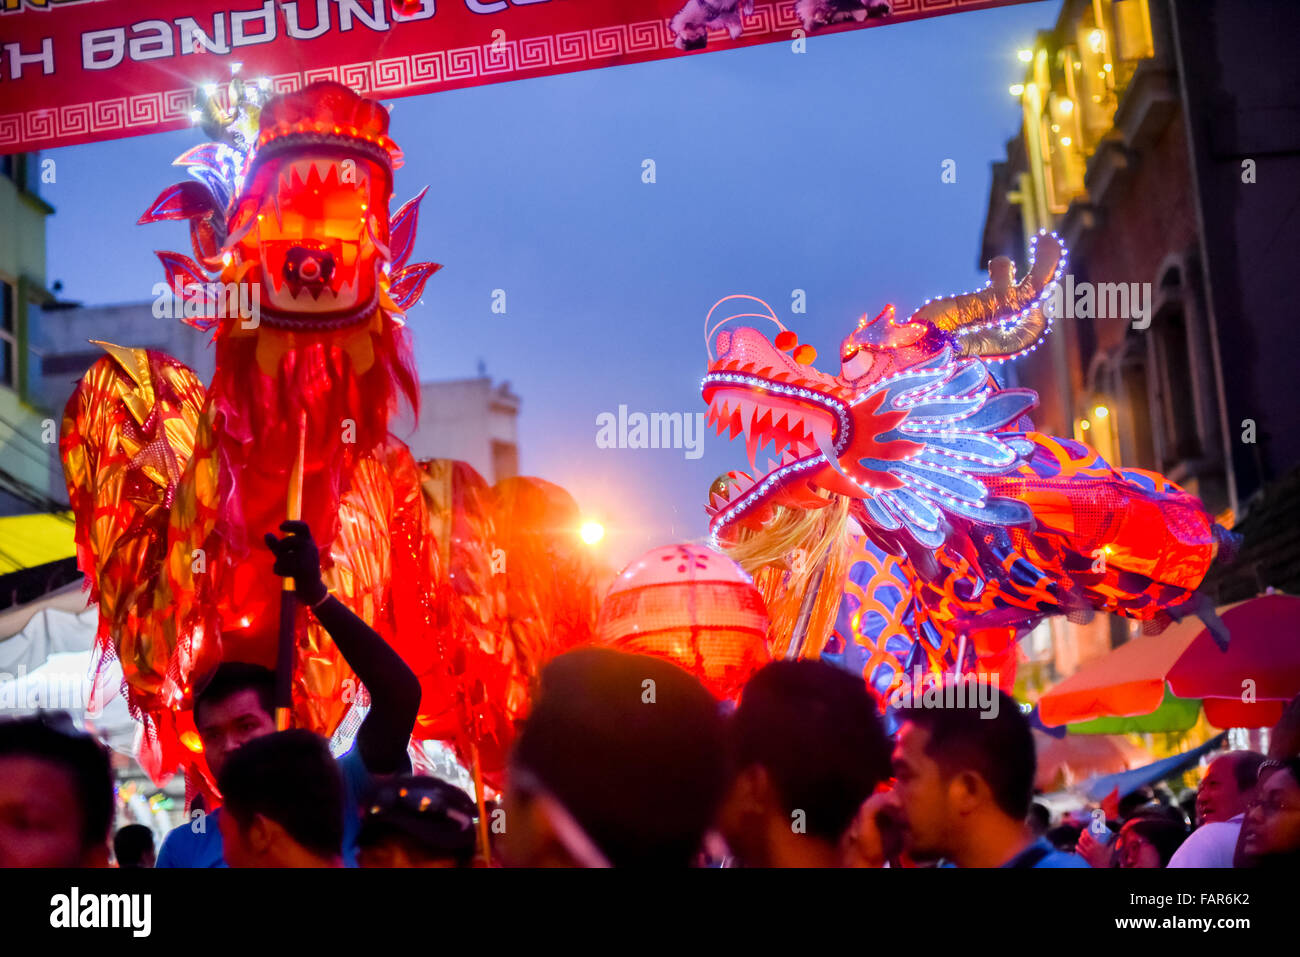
(947, 526)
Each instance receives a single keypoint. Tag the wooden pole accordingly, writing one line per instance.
(289, 600)
(477, 770)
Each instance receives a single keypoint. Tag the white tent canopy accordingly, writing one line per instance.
(46, 662)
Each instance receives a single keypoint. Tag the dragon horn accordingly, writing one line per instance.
(1005, 317)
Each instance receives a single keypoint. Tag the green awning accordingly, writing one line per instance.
(1174, 714)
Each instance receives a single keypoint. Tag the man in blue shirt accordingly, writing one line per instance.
(237, 706)
(965, 780)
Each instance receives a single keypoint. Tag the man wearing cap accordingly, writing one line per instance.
(417, 821)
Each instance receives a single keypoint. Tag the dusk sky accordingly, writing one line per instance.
(775, 171)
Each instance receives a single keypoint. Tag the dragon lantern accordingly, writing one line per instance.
(913, 517)
(301, 276)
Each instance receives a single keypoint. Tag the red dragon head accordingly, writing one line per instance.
(298, 269)
(289, 220)
(904, 428)
(312, 219)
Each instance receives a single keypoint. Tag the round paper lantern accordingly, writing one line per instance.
(693, 606)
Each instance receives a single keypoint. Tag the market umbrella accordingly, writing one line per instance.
(1174, 715)
(1264, 652)
(1137, 678)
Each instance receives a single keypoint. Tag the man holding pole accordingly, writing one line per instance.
(238, 705)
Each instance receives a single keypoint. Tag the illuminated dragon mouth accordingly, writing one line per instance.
(806, 428)
(318, 237)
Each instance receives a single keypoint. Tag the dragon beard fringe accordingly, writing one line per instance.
(799, 560)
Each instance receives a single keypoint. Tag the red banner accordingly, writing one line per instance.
(74, 71)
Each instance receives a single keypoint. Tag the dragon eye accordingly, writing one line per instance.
(849, 351)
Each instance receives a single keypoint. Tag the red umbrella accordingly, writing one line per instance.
(1263, 655)
(1264, 649)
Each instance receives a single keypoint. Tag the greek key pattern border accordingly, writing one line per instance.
(393, 75)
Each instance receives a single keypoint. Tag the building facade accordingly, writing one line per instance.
(64, 336)
(472, 420)
(28, 448)
(1161, 140)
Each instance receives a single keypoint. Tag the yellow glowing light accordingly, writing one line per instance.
(192, 741)
(1066, 141)
(1067, 105)
(1106, 67)
(1101, 412)
(1025, 55)
(1096, 40)
(1085, 425)
(1017, 89)
(592, 532)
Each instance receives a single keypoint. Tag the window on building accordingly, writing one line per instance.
(1085, 335)
(24, 169)
(1132, 29)
(1094, 74)
(1177, 388)
(505, 460)
(1066, 166)
(8, 335)
(1137, 402)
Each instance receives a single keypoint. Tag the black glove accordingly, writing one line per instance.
(297, 557)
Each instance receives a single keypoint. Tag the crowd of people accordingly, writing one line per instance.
(626, 760)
